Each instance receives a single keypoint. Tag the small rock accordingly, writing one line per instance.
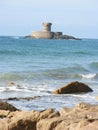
(82, 106)
(11, 83)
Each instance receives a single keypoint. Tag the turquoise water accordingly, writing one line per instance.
(39, 66)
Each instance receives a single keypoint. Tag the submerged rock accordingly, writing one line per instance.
(73, 87)
(22, 98)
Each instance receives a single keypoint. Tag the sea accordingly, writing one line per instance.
(36, 67)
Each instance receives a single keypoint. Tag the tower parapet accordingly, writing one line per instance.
(46, 27)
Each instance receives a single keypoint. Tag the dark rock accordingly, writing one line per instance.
(67, 37)
(4, 113)
(7, 106)
(73, 87)
(28, 36)
(22, 98)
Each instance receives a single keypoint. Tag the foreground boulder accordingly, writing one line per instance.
(73, 87)
(25, 120)
(82, 117)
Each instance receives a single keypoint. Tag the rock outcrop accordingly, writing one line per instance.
(46, 33)
(73, 87)
(82, 117)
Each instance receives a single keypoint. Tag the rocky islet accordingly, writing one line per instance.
(46, 33)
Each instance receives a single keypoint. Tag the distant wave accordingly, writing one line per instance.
(31, 76)
(10, 52)
(15, 37)
(88, 76)
(8, 76)
(82, 53)
(72, 76)
(94, 65)
(16, 76)
(73, 69)
(68, 72)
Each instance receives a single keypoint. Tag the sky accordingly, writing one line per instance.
(78, 18)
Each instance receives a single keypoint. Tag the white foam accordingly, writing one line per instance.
(25, 88)
(2, 89)
(16, 37)
(88, 76)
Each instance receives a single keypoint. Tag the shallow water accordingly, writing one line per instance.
(39, 66)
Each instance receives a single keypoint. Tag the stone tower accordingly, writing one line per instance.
(46, 27)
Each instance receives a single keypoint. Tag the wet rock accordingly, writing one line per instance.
(23, 98)
(7, 106)
(73, 87)
(11, 84)
(67, 37)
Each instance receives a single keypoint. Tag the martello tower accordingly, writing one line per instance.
(46, 32)
(46, 27)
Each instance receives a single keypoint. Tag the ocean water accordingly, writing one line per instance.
(39, 66)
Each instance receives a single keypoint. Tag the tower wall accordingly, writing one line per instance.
(46, 27)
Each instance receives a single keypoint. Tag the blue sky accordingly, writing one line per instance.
(73, 17)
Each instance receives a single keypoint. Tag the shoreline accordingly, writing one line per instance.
(82, 116)
(74, 92)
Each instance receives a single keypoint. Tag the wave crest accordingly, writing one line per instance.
(88, 76)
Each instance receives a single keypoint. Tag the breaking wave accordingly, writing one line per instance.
(68, 72)
(88, 76)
